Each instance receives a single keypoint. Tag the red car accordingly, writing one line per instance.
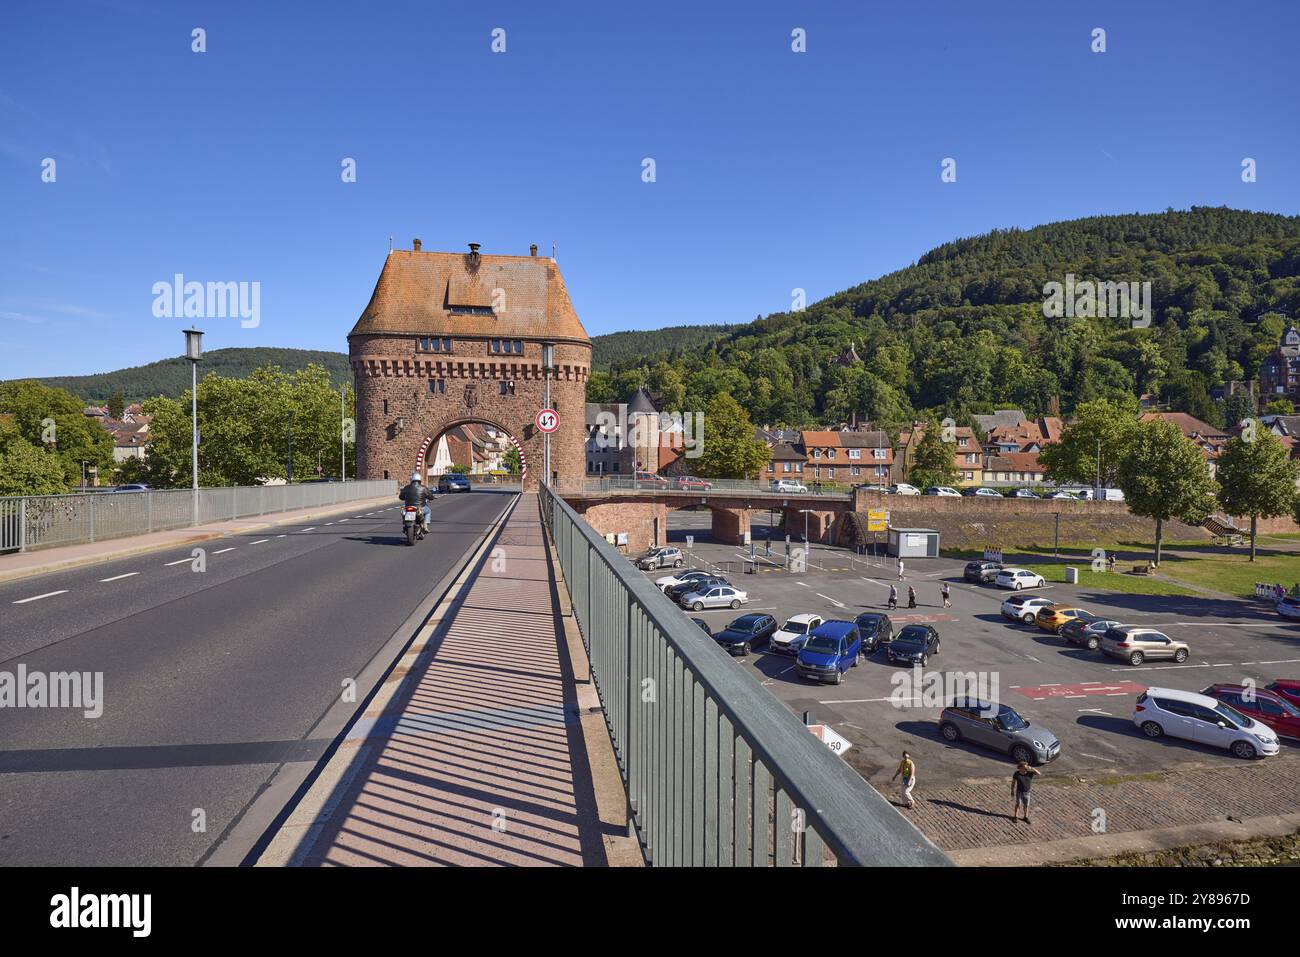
(1264, 706)
(1288, 688)
(691, 482)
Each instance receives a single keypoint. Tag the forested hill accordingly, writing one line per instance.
(623, 346)
(963, 330)
(171, 377)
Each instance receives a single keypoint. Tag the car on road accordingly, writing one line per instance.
(650, 478)
(1196, 717)
(1136, 643)
(1000, 727)
(902, 488)
(982, 573)
(1262, 705)
(1086, 633)
(704, 626)
(133, 487)
(943, 491)
(790, 486)
(1025, 493)
(453, 482)
(677, 578)
(790, 637)
(662, 556)
(876, 629)
(1018, 578)
(716, 596)
(1288, 688)
(982, 492)
(1023, 608)
(832, 649)
(690, 482)
(1288, 606)
(740, 637)
(675, 592)
(1052, 617)
(913, 645)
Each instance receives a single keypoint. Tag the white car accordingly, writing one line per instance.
(943, 491)
(1024, 608)
(1197, 717)
(677, 578)
(789, 485)
(902, 488)
(719, 596)
(1068, 496)
(1018, 578)
(789, 638)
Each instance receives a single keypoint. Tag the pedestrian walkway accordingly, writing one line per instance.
(473, 752)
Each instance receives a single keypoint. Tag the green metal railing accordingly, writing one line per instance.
(717, 771)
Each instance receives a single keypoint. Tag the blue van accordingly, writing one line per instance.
(832, 649)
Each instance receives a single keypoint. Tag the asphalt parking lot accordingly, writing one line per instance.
(1084, 697)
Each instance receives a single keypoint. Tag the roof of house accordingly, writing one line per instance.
(641, 403)
(1001, 418)
(864, 440)
(1189, 425)
(1014, 462)
(418, 293)
(1285, 424)
(785, 452)
(824, 440)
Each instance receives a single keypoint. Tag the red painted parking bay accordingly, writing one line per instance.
(1086, 689)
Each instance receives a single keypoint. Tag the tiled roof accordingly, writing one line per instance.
(417, 292)
(823, 440)
(1189, 425)
(1015, 462)
(785, 452)
(1001, 418)
(864, 440)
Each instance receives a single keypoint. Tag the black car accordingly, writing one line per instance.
(876, 630)
(745, 632)
(913, 645)
(1086, 631)
(704, 626)
(695, 584)
(981, 573)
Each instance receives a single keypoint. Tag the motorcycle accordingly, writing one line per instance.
(412, 525)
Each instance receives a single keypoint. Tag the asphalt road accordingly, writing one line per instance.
(211, 679)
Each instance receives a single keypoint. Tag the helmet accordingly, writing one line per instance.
(415, 476)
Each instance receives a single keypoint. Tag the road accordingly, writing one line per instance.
(212, 679)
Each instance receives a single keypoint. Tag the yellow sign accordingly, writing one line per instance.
(877, 519)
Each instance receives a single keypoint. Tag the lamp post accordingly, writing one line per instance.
(548, 360)
(289, 470)
(194, 352)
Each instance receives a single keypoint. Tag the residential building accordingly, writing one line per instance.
(1279, 374)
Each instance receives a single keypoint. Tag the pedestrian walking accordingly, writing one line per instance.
(906, 768)
(893, 597)
(947, 595)
(911, 597)
(900, 569)
(1110, 562)
(1021, 781)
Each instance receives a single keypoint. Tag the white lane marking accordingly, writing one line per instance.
(1224, 664)
(223, 551)
(852, 700)
(259, 541)
(282, 536)
(180, 561)
(117, 578)
(804, 584)
(312, 529)
(48, 594)
(328, 524)
(342, 520)
(837, 604)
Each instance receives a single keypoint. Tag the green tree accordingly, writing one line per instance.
(512, 461)
(1164, 476)
(1278, 407)
(28, 470)
(934, 463)
(1100, 432)
(1256, 478)
(116, 405)
(729, 448)
(54, 419)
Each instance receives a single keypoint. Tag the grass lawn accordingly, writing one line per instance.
(1111, 581)
(1233, 573)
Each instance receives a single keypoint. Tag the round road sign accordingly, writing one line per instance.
(548, 420)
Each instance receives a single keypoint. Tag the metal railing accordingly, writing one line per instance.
(43, 521)
(717, 772)
(614, 483)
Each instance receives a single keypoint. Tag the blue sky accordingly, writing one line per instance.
(775, 170)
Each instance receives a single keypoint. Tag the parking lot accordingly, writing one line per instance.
(1084, 697)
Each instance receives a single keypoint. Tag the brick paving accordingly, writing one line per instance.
(978, 813)
(482, 762)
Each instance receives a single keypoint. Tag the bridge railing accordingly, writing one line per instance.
(616, 483)
(717, 771)
(43, 521)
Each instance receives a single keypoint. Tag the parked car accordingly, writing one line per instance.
(876, 629)
(677, 592)
(704, 626)
(915, 644)
(1052, 617)
(739, 637)
(981, 572)
(677, 578)
(1288, 606)
(832, 649)
(661, 556)
(1018, 578)
(1288, 688)
(649, 478)
(1197, 717)
(943, 491)
(902, 488)
(1000, 727)
(689, 482)
(1135, 644)
(982, 492)
(1023, 608)
(789, 486)
(1067, 496)
(1025, 493)
(716, 596)
(882, 489)
(1272, 709)
(790, 637)
(133, 487)
(453, 482)
(1086, 633)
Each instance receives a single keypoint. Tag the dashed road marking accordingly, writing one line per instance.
(312, 529)
(48, 594)
(116, 578)
(180, 561)
(259, 541)
(223, 551)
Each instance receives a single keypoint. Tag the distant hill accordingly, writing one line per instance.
(171, 377)
(621, 346)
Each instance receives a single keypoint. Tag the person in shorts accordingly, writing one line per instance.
(1021, 781)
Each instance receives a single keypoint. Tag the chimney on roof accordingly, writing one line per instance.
(416, 244)
(532, 249)
(473, 254)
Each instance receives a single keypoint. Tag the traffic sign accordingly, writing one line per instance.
(548, 420)
(829, 738)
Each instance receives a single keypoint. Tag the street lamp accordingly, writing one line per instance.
(194, 352)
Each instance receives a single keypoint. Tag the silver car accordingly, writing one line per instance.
(719, 596)
(999, 727)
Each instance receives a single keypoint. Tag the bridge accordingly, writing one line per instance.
(293, 685)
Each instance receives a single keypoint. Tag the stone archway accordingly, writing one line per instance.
(421, 458)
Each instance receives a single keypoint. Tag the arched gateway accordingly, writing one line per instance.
(449, 338)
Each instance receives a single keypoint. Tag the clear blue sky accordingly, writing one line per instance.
(775, 170)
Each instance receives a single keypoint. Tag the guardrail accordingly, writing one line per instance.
(717, 771)
(671, 484)
(43, 521)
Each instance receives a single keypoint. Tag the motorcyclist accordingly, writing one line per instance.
(420, 495)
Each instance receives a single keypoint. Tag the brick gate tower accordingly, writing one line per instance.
(453, 338)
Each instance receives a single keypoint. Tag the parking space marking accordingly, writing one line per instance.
(852, 700)
(1205, 664)
(837, 604)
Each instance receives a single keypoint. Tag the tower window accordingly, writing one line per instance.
(507, 387)
(434, 344)
(438, 386)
